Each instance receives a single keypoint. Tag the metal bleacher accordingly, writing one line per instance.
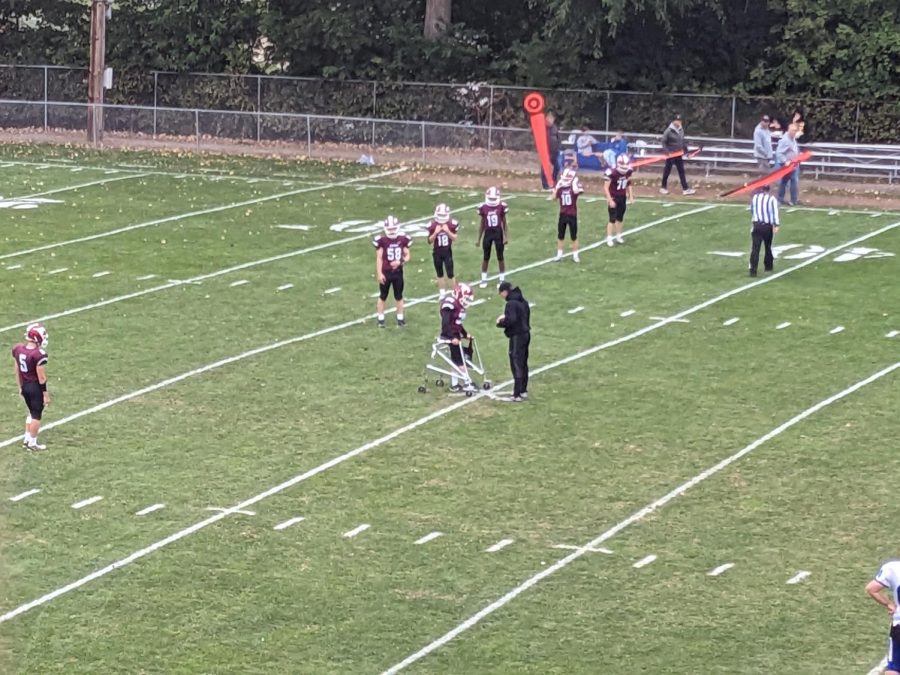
(730, 155)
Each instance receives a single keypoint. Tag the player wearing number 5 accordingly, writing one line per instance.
(31, 376)
(618, 189)
(493, 232)
(391, 254)
(566, 191)
(441, 234)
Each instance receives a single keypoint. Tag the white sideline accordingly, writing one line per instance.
(191, 214)
(632, 519)
(335, 461)
(294, 340)
(211, 275)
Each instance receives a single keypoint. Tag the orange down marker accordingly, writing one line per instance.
(534, 106)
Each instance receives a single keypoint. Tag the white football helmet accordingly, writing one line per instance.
(567, 176)
(623, 163)
(464, 294)
(391, 227)
(492, 196)
(442, 214)
(36, 332)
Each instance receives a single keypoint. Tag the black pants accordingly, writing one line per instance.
(678, 163)
(762, 234)
(518, 362)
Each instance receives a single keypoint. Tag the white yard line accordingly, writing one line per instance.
(210, 275)
(86, 502)
(150, 509)
(631, 520)
(22, 495)
(500, 545)
(719, 570)
(879, 669)
(102, 181)
(797, 578)
(287, 523)
(431, 536)
(643, 562)
(192, 214)
(340, 459)
(356, 530)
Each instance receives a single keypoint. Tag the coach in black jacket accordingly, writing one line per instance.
(516, 324)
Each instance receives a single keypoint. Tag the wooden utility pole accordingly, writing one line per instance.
(437, 17)
(96, 69)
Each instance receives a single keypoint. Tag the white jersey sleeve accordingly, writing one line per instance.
(889, 577)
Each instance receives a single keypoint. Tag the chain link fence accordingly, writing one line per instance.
(479, 105)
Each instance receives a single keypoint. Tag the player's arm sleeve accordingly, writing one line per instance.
(446, 320)
(775, 213)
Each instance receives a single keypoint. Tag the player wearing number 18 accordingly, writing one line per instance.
(31, 376)
(441, 234)
(566, 191)
(618, 189)
(391, 254)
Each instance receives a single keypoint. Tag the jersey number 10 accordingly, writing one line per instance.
(565, 198)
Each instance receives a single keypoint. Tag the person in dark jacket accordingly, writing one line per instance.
(553, 146)
(516, 324)
(673, 142)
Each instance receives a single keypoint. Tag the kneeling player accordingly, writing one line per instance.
(493, 232)
(617, 188)
(566, 191)
(441, 234)
(391, 253)
(453, 313)
(31, 376)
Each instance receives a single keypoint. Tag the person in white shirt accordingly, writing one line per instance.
(888, 579)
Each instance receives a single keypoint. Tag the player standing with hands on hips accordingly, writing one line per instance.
(31, 376)
(391, 254)
(516, 324)
(888, 578)
(493, 232)
(566, 191)
(764, 216)
(617, 188)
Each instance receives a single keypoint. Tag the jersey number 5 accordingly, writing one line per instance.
(23, 363)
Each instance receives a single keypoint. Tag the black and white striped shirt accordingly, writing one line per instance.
(764, 209)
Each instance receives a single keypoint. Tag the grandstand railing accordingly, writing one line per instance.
(328, 135)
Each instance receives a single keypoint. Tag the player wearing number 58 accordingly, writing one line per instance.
(391, 254)
(31, 376)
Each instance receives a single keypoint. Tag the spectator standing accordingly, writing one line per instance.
(673, 142)
(785, 153)
(553, 147)
(765, 220)
(762, 145)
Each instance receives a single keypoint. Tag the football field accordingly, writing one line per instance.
(241, 476)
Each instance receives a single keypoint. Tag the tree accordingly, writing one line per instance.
(437, 17)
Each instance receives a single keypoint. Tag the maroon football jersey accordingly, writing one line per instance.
(391, 249)
(442, 242)
(452, 316)
(568, 199)
(618, 181)
(28, 361)
(493, 217)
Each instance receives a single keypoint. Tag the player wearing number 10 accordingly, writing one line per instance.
(566, 191)
(617, 188)
(31, 376)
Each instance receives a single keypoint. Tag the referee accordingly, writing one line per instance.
(764, 214)
(516, 324)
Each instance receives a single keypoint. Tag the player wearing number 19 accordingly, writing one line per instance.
(441, 234)
(391, 254)
(31, 376)
(617, 188)
(566, 191)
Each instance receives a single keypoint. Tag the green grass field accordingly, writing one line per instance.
(202, 358)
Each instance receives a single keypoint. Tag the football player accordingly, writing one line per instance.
(617, 188)
(31, 375)
(453, 313)
(391, 254)
(566, 191)
(493, 232)
(441, 234)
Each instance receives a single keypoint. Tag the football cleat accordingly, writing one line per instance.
(568, 175)
(464, 294)
(442, 214)
(36, 446)
(622, 163)
(391, 227)
(492, 196)
(37, 333)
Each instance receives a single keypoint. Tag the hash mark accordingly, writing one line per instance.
(730, 322)
(290, 521)
(644, 561)
(239, 282)
(719, 570)
(783, 325)
(356, 530)
(428, 537)
(150, 509)
(22, 495)
(797, 578)
(503, 543)
(86, 502)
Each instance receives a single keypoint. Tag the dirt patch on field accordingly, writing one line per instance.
(469, 168)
